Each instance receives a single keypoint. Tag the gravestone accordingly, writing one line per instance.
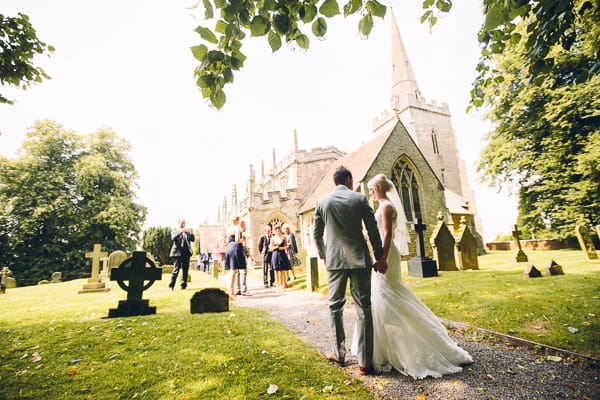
(465, 249)
(95, 283)
(135, 270)
(113, 260)
(4, 275)
(585, 242)
(552, 268)
(56, 277)
(421, 265)
(532, 272)
(442, 242)
(520, 256)
(209, 300)
(312, 274)
(215, 269)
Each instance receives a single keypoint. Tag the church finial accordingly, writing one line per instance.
(262, 169)
(403, 79)
(234, 209)
(295, 140)
(274, 160)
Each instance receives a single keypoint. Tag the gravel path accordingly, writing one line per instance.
(502, 370)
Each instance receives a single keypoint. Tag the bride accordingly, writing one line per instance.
(407, 335)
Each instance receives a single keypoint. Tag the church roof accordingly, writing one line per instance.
(358, 162)
(456, 203)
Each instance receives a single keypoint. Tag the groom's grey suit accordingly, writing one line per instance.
(347, 256)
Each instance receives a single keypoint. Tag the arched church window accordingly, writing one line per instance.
(405, 180)
(274, 222)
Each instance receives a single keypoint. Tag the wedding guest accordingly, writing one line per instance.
(265, 251)
(235, 260)
(181, 251)
(279, 259)
(241, 287)
(292, 250)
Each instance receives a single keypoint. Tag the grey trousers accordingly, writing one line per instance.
(360, 288)
(240, 285)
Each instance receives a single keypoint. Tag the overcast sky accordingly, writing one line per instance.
(126, 65)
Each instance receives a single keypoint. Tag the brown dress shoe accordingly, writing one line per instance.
(366, 370)
(329, 355)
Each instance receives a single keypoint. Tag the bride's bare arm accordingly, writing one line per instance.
(387, 215)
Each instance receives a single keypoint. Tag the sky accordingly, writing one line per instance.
(127, 65)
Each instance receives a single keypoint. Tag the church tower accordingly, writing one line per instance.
(430, 125)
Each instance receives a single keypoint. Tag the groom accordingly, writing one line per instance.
(346, 256)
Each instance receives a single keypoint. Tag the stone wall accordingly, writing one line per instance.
(533, 244)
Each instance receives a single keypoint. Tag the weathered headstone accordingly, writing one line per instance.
(532, 272)
(312, 274)
(216, 268)
(95, 283)
(442, 242)
(465, 249)
(4, 275)
(520, 256)
(113, 260)
(209, 300)
(552, 268)
(585, 242)
(134, 270)
(421, 265)
(56, 277)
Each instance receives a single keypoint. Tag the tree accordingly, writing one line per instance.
(60, 196)
(286, 21)
(547, 137)
(157, 241)
(18, 45)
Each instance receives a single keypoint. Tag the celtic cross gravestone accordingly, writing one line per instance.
(421, 265)
(131, 275)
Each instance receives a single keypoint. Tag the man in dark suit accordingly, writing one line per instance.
(263, 247)
(344, 250)
(181, 251)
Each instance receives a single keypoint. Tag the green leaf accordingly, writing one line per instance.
(199, 52)
(303, 41)
(259, 26)
(494, 17)
(228, 75)
(221, 26)
(319, 27)
(218, 99)
(425, 16)
(208, 9)
(329, 8)
(427, 3)
(376, 8)
(282, 23)
(274, 41)
(352, 6)
(270, 5)
(365, 25)
(515, 38)
(310, 12)
(443, 5)
(215, 56)
(207, 34)
(204, 81)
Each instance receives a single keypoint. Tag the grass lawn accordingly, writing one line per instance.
(498, 297)
(56, 346)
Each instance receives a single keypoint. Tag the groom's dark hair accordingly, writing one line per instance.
(340, 175)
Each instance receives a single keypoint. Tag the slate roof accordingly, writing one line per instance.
(358, 162)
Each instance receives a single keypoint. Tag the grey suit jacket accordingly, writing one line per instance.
(342, 213)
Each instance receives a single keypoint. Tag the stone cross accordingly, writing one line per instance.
(421, 265)
(96, 255)
(521, 256)
(135, 272)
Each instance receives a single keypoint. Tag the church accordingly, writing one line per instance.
(413, 143)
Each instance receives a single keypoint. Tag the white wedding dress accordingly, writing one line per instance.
(407, 335)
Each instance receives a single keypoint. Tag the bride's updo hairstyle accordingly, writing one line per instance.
(380, 183)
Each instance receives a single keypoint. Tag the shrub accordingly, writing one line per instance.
(157, 241)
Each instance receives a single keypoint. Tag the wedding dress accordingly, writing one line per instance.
(407, 335)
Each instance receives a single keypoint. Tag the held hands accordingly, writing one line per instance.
(380, 266)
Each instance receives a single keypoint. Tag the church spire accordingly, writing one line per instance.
(295, 140)
(403, 78)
